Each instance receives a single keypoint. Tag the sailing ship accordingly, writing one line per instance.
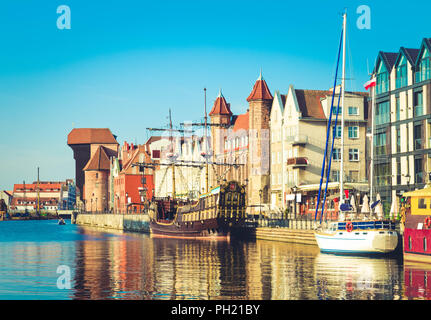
(215, 214)
(350, 235)
(416, 217)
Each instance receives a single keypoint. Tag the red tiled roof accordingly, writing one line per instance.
(221, 107)
(99, 160)
(90, 135)
(260, 90)
(309, 102)
(241, 122)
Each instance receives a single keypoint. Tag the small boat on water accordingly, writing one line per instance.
(61, 222)
(214, 215)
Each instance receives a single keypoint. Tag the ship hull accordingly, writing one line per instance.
(417, 245)
(363, 242)
(216, 228)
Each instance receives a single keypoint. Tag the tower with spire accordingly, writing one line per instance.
(220, 116)
(260, 101)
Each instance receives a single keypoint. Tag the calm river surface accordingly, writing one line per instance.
(116, 265)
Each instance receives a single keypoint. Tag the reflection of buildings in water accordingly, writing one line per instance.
(358, 278)
(198, 269)
(110, 265)
(283, 269)
(417, 280)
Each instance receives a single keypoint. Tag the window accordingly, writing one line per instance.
(382, 113)
(380, 144)
(334, 110)
(335, 175)
(424, 72)
(418, 104)
(383, 174)
(417, 136)
(419, 177)
(353, 154)
(401, 73)
(422, 204)
(353, 132)
(353, 111)
(337, 132)
(382, 79)
(336, 154)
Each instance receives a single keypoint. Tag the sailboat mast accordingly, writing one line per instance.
(373, 106)
(206, 142)
(343, 76)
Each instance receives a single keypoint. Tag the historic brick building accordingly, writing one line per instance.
(92, 150)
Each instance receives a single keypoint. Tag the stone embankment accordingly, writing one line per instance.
(125, 222)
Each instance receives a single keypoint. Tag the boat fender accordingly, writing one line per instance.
(349, 226)
(428, 222)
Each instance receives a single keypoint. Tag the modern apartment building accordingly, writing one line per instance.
(402, 119)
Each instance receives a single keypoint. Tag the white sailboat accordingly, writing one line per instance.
(350, 235)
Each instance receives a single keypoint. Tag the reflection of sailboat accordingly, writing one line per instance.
(359, 277)
(349, 235)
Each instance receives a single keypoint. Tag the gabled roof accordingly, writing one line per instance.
(426, 42)
(388, 58)
(99, 160)
(309, 102)
(260, 90)
(90, 135)
(281, 99)
(221, 107)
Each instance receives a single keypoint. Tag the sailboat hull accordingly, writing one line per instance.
(357, 242)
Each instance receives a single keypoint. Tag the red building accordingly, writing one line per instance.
(132, 187)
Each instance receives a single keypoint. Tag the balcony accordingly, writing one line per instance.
(297, 162)
(298, 139)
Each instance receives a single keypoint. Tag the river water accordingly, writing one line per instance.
(42, 260)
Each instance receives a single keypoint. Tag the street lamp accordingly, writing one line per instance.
(407, 176)
(294, 189)
(260, 204)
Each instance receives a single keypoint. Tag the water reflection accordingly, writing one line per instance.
(117, 265)
(358, 278)
(417, 280)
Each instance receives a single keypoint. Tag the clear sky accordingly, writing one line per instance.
(123, 64)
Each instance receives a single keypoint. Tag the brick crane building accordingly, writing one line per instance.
(92, 149)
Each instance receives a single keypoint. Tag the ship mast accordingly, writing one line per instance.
(343, 76)
(172, 159)
(206, 142)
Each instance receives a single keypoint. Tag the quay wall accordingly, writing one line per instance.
(125, 222)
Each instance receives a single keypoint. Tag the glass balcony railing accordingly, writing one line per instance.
(400, 82)
(418, 110)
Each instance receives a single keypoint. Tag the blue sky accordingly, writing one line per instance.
(123, 64)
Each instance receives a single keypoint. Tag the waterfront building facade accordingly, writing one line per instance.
(402, 119)
(27, 195)
(132, 186)
(85, 142)
(242, 143)
(298, 134)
